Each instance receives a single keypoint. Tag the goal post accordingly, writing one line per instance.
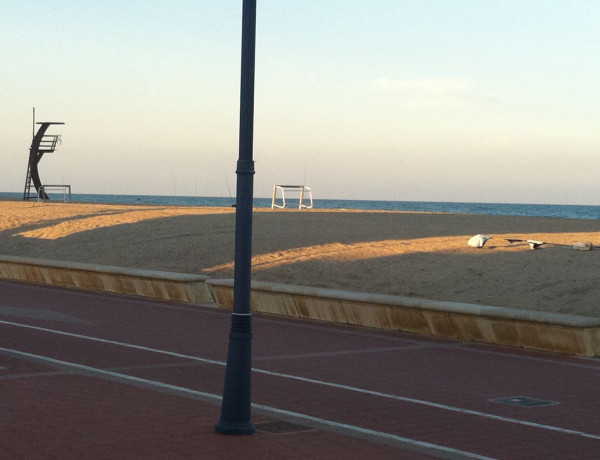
(45, 189)
(303, 191)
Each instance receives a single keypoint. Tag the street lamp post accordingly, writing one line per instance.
(236, 405)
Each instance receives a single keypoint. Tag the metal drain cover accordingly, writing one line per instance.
(525, 401)
(280, 427)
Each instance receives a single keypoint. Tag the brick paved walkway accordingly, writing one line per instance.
(86, 375)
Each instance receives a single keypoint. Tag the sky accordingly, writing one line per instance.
(409, 100)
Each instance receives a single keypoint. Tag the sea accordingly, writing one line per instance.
(498, 209)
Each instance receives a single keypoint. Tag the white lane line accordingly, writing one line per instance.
(333, 353)
(434, 405)
(30, 376)
(114, 342)
(364, 433)
(322, 383)
(313, 422)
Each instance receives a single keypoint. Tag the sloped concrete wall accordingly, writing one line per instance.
(130, 281)
(504, 326)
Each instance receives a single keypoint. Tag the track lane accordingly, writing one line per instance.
(401, 365)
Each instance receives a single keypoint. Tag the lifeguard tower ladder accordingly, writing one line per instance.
(41, 143)
(302, 189)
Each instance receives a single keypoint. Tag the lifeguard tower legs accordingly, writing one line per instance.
(41, 143)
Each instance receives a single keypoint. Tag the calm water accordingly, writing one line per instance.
(509, 209)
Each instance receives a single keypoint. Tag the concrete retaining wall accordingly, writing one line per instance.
(131, 281)
(504, 326)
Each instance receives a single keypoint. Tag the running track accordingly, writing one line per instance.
(87, 375)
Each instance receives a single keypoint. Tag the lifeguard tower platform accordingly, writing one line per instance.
(303, 190)
(42, 143)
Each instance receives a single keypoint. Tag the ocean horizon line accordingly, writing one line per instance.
(572, 211)
(295, 199)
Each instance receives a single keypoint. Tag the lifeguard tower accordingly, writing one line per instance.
(303, 190)
(42, 143)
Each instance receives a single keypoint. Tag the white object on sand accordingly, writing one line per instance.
(581, 246)
(533, 244)
(478, 241)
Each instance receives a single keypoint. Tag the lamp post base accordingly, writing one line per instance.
(235, 428)
(236, 408)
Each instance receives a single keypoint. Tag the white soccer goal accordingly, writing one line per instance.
(303, 191)
(65, 189)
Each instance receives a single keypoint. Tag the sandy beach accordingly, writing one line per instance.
(411, 254)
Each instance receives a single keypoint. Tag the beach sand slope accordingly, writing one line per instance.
(410, 254)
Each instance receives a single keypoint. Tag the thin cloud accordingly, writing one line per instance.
(428, 86)
(425, 92)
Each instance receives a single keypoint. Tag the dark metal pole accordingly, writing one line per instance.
(236, 405)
